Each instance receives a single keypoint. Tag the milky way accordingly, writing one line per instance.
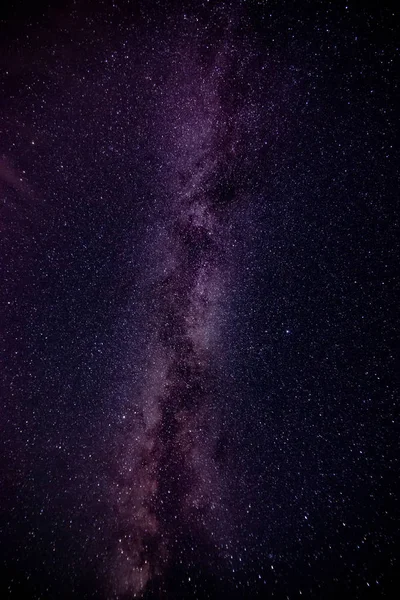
(170, 486)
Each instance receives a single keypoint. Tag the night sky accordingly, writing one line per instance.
(198, 285)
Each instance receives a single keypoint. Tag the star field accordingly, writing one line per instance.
(199, 261)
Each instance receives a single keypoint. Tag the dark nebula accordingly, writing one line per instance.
(199, 264)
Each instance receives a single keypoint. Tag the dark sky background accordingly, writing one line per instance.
(199, 260)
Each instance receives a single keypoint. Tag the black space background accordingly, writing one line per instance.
(312, 325)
